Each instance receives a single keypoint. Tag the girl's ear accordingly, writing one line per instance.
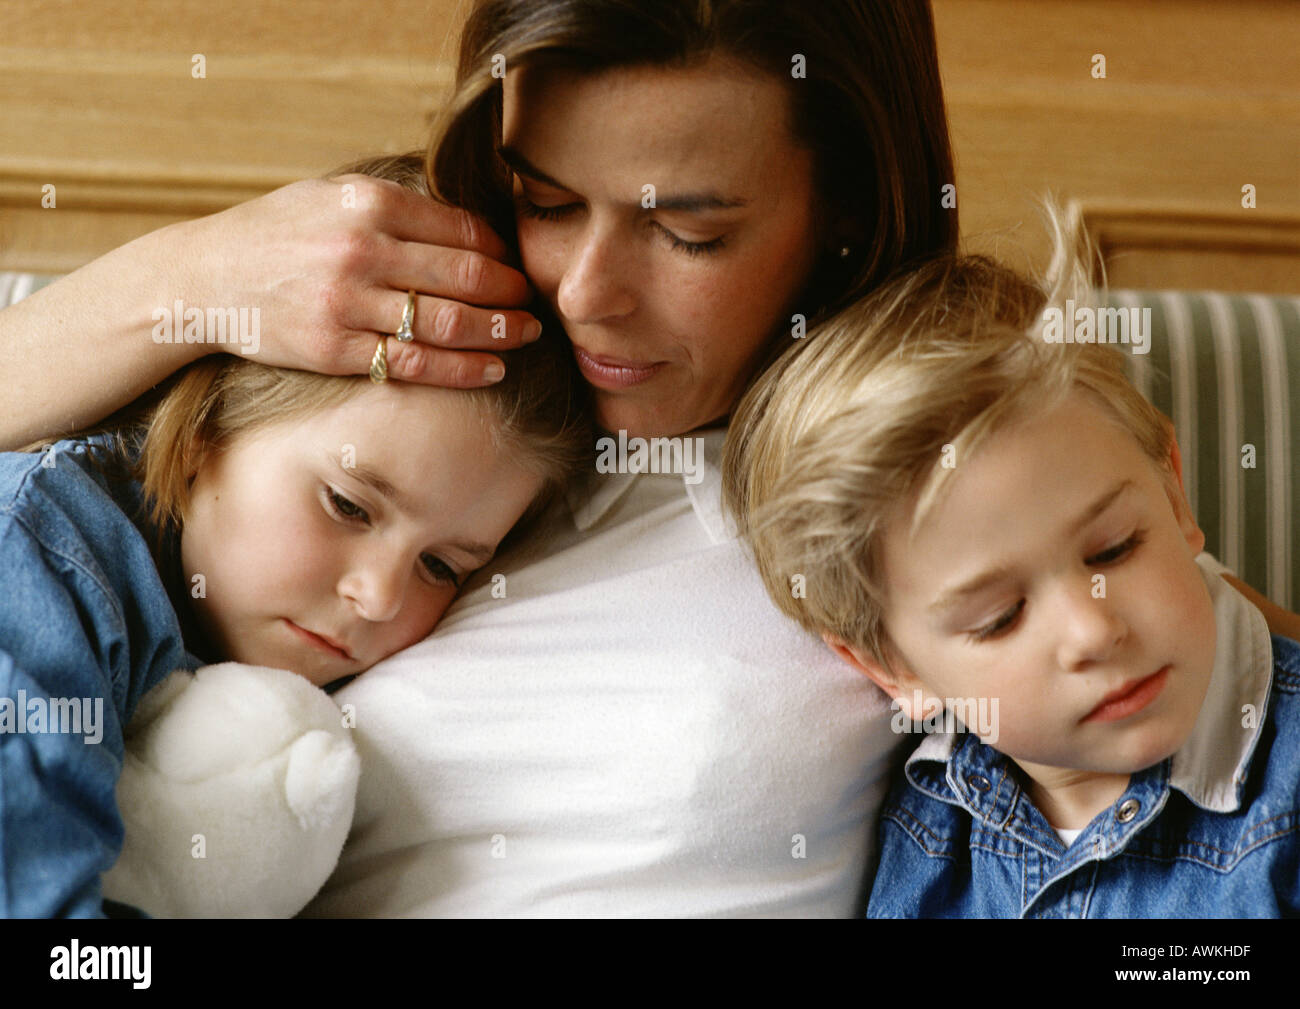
(896, 679)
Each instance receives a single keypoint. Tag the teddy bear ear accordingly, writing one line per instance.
(320, 782)
(158, 700)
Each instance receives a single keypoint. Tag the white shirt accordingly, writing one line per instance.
(633, 730)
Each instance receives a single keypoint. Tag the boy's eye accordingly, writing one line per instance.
(440, 569)
(343, 508)
(998, 626)
(1119, 550)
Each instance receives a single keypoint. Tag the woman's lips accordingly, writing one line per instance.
(1129, 699)
(327, 645)
(614, 373)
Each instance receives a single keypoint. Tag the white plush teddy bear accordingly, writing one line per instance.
(237, 793)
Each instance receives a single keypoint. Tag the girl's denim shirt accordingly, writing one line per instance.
(1211, 832)
(87, 626)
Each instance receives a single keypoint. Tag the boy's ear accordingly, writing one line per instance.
(1178, 495)
(898, 682)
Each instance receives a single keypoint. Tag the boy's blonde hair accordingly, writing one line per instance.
(853, 424)
(538, 411)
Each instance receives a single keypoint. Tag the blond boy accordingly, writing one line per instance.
(985, 521)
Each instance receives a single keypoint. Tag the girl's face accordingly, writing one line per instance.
(666, 215)
(327, 544)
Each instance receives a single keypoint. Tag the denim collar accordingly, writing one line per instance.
(1210, 768)
(590, 499)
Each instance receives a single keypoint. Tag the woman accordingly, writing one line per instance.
(613, 720)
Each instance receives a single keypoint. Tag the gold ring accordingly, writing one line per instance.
(404, 334)
(379, 363)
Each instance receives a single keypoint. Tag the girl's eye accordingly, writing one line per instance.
(440, 569)
(998, 626)
(343, 508)
(1120, 550)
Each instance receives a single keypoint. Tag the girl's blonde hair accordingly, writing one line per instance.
(852, 426)
(538, 411)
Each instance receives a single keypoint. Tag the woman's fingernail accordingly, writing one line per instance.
(532, 331)
(494, 372)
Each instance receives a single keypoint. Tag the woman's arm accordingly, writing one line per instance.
(1280, 621)
(327, 269)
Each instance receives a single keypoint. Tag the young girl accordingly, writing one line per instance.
(300, 521)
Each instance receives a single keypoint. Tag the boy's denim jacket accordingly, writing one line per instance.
(1213, 831)
(84, 615)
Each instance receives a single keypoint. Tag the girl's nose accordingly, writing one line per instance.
(376, 586)
(597, 281)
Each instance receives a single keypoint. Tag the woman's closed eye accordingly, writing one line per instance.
(560, 211)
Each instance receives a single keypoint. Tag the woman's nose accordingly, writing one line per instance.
(375, 585)
(598, 277)
(1090, 626)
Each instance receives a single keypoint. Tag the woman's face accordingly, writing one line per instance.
(666, 215)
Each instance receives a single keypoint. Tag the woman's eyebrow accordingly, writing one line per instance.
(687, 202)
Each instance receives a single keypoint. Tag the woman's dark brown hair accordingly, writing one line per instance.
(869, 107)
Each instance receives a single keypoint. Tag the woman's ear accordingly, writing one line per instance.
(895, 679)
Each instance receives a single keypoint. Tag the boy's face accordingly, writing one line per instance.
(295, 543)
(998, 596)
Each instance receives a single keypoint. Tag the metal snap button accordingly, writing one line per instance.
(979, 783)
(1127, 810)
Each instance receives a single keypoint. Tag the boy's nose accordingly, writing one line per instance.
(1091, 628)
(596, 286)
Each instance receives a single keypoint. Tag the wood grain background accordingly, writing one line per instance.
(1200, 98)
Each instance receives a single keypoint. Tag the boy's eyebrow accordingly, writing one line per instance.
(687, 202)
(968, 588)
(1099, 506)
(480, 552)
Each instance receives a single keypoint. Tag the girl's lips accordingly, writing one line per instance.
(612, 373)
(326, 645)
(1129, 699)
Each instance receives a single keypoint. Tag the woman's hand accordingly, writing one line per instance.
(326, 264)
(329, 263)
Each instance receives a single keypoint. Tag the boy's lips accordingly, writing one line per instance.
(329, 645)
(1130, 698)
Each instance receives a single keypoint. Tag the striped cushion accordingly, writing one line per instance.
(1226, 368)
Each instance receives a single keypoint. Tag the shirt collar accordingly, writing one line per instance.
(1210, 768)
(591, 498)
